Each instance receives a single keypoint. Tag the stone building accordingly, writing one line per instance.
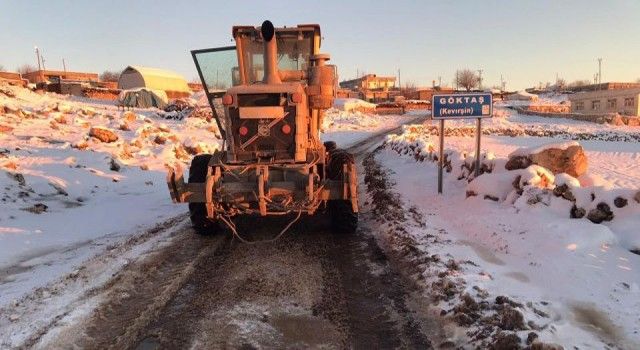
(622, 101)
(56, 76)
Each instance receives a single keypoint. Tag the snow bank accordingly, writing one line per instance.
(525, 151)
(534, 186)
(353, 105)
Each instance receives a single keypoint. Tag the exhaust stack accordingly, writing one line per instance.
(271, 75)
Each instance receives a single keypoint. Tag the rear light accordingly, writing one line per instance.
(296, 97)
(243, 131)
(227, 99)
(286, 129)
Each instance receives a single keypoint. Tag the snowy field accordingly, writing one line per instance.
(577, 282)
(67, 196)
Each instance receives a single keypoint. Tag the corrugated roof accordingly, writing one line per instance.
(159, 72)
(159, 79)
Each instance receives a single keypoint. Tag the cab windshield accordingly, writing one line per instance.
(294, 51)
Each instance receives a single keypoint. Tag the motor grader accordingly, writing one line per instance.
(268, 95)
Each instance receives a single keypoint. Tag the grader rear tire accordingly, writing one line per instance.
(198, 211)
(343, 218)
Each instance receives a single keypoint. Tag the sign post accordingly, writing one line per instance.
(460, 106)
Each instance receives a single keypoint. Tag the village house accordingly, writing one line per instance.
(622, 101)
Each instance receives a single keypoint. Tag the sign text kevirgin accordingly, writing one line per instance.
(462, 106)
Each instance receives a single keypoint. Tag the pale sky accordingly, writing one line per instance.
(524, 41)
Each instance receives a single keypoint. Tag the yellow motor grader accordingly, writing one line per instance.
(268, 94)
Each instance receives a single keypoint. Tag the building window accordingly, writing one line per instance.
(613, 103)
(629, 101)
(579, 106)
(595, 105)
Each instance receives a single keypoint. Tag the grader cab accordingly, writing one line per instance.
(268, 94)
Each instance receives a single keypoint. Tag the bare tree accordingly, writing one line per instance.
(467, 79)
(26, 68)
(1, 67)
(561, 84)
(110, 76)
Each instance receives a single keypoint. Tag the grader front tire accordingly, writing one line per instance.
(198, 211)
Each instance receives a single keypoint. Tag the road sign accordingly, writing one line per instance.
(462, 106)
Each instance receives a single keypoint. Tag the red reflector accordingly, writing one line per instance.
(296, 97)
(243, 131)
(286, 129)
(227, 99)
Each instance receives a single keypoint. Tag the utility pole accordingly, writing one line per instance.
(439, 81)
(43, 60)
(38, 57)
(599, 70)
(457, 80)
(480, 78)
(399, 81)
(64, 65)
(502, 83)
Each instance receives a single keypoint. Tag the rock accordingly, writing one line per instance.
(518, 162)
(103, 134)
(571, 160)
(60, 119)
(37, 208)
(129, 116)
(633, 121)
(160, 139)
(113, 165)
(620, 202)
(637, 197)
(565, 192)
(81, 145)
(193, 149)
(88, 111)
(124, 126)
(14, 317)
(5, 129)
(577, 213)
(63, 108)
(18, 177)
(531, 337)
(510, 319)
(506, 341)
(616, 119)
(538, 345)
(490, 197)
(601, 213)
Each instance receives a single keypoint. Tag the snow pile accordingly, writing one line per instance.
(353, 105)
(506, 274)
(71, 171)
(533, 186)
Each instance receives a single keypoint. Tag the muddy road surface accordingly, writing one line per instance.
(312, 288)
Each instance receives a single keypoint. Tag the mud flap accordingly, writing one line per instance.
(175, 181)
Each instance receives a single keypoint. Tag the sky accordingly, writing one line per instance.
(525, 42)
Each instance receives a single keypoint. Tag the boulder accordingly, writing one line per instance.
(557, 158)
(616, 119)
(633, 121)
(129, 116)
(103, 134)
(5, 129)
(601, 213)
(637, 197)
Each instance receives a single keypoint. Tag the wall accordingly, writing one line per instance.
(583, 102)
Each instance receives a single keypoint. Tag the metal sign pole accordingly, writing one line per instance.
(441, 156)
(478, 140)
